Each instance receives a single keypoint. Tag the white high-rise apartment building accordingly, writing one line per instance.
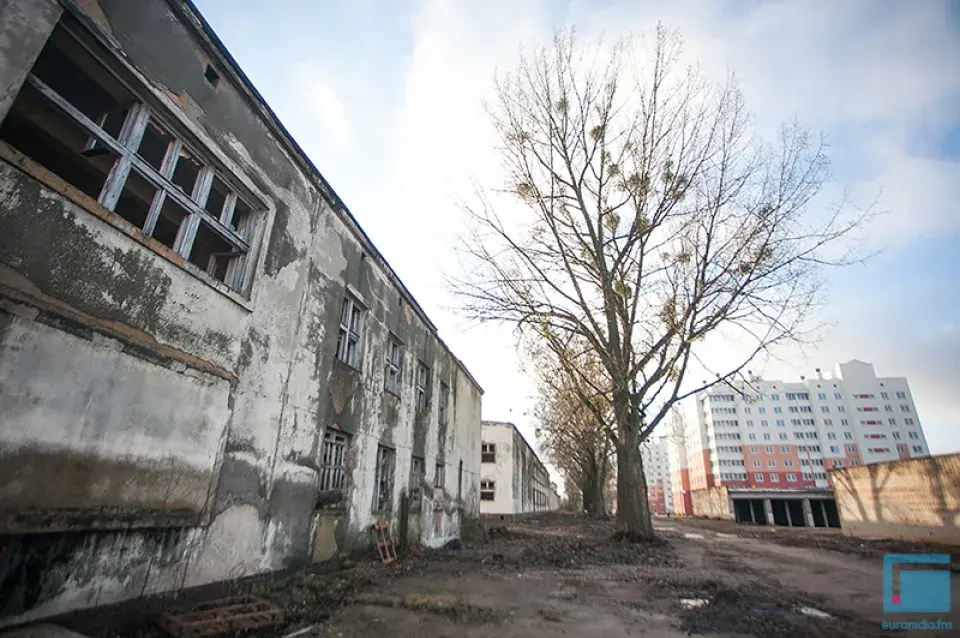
(656, 470)
(779, 435)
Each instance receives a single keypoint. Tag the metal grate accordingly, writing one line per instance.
(225, 615)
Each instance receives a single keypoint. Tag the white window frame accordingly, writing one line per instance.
(125, 149)
(488, 487)
(384, 479)
(334, 458)
(422, 387)
(393, 372)
(443, 404)
(350, 334)
(488, 450)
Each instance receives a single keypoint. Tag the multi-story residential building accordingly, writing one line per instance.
(656, 470)
(207, 370)
(777, 435)
(513, 480)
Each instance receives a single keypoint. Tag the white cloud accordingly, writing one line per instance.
(873, 77)
(318, 102)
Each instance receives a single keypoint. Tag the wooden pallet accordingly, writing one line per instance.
(385, 545)
(240, 613)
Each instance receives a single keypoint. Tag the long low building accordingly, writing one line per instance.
(513, 480)
(207, 370)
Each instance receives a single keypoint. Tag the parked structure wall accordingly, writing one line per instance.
(168, 398)
(713, 502)
(912, 499)
(513, 480)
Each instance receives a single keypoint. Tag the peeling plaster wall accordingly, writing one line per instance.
(188, 421)
(518, 474)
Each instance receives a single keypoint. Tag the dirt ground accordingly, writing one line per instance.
(563, 575)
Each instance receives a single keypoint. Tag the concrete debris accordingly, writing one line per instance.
(693, 603)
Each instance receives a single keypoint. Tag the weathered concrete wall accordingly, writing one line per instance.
(910, 499)
(518, 473)
(119, 360)
(89, 428)
(24, 28)
(501, 472)
(712, 502)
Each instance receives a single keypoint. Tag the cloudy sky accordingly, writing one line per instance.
(386, 96)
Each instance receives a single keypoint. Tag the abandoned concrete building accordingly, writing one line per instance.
(207, 370)
(513, 479)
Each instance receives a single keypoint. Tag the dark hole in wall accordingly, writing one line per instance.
(41, 132)
(136, 198)
(217, 197)
(186, 172)
(212, 253)
(153, 144)
(172, 216)
(73, 73)
(211, 76)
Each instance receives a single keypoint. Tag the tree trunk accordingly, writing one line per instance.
(593, 495)
(633, 510)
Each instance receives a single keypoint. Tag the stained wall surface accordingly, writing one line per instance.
(160, 429)
(910, 499)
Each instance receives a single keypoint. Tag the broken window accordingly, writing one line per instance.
(422, 386)
(394, 366)
(351, 328)
(488, 453)
(439, 477)
(487, 491)
(418, 474)
(386, 462)
(75, 118)
(333, 460)
(442, 403)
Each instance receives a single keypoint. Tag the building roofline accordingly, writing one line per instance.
(522, 437)
(193, 19)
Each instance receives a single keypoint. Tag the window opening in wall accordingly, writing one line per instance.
(487, 491)
(422, 386)
(351, 329)
(154, 144)
(442, 403)
(217, 198)
(439, 478)
(386, 464)
(333, 460)
(488, 452)
(394, 366)
(211, 76)
(418, 474)
(80, 122)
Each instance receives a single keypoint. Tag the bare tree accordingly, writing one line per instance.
(576, 442)
(642, 215)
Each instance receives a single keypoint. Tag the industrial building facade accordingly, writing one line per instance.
(513, 480)
(764, 436)
(207, 370)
